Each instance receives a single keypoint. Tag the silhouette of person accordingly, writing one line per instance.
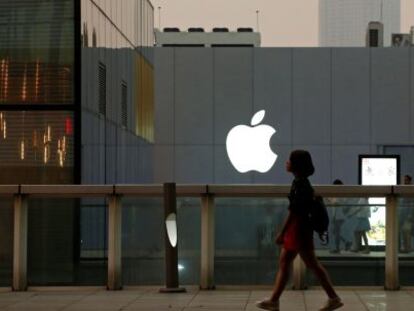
(338, 219)
(362, 213)
(296, 236)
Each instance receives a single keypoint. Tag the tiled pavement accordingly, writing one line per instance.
(89, 299)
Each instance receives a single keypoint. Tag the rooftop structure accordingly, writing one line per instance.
(198, 37)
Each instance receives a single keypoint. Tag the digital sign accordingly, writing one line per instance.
(377, 170)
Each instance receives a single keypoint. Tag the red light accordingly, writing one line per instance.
(68, 126)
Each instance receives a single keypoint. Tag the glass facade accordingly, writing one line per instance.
(355, 254)
(36, 147)
(406, 240)
(131, 23)
(36, 52)
(143, 244)
(245, 251)
(37, 129)
(117, 133)
(143, 253)
(117, 35)
(6, 241)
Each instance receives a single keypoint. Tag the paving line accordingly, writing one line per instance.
(91, 293)
(362, 302)
(248, 299)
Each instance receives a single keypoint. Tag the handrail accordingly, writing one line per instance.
(66, 190)
(207, 193)
(406, 190)
(9, 189)
(197, 190)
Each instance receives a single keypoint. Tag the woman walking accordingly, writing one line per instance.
(296, 236)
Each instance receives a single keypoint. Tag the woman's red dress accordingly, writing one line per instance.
(299, 234)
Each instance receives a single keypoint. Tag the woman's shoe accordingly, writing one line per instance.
(268, 304)
(332, 304)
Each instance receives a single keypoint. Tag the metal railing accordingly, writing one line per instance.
(207, 194)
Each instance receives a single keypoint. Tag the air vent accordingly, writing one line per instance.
(217, 29)
(244, 29)
(102, 89)
(124, 104)
(171, 29)
(195, 29)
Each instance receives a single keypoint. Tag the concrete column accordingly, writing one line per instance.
(114, 243)
(299, 273)
(207, 242)
(20, 243)
(391, 244)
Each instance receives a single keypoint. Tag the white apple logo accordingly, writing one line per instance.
(248, 147)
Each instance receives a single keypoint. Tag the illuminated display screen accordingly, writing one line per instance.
(378, 171)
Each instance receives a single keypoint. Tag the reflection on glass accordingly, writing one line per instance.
(406, 239)
(356, 243)
(33, 143)
(143, 244)
(6, 241)
(245, 251)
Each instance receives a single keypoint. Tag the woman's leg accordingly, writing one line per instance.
(365, 238)
(285, 262)
(309, 258)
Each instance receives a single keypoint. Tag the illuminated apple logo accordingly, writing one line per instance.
(248, 147)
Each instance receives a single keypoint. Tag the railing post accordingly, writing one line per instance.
(114, 243)
(207, 242)
(299, 273)
(391, 244)
(171, 241)
(20, 243)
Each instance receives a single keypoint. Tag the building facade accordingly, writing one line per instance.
(338, 103)
(54, 56)
(309, 95)
(345, 23)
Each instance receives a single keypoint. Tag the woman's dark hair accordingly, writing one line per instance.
(301, 163)
(338, 182)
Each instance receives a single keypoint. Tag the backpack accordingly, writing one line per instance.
(319, 218)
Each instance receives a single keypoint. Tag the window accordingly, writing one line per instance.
(373, 37)
(102, 89)
(124, 104)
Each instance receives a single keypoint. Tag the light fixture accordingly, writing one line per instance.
(22, 141)
(22, 150)
(24, 86)
(47, 139)
(61, 151)
(35, 142)
(3, 132)
(4, 129)
(37, 79)
(2, 70)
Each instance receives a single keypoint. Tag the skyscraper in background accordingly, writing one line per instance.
(344, 22)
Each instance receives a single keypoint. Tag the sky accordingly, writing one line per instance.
(282, 22)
